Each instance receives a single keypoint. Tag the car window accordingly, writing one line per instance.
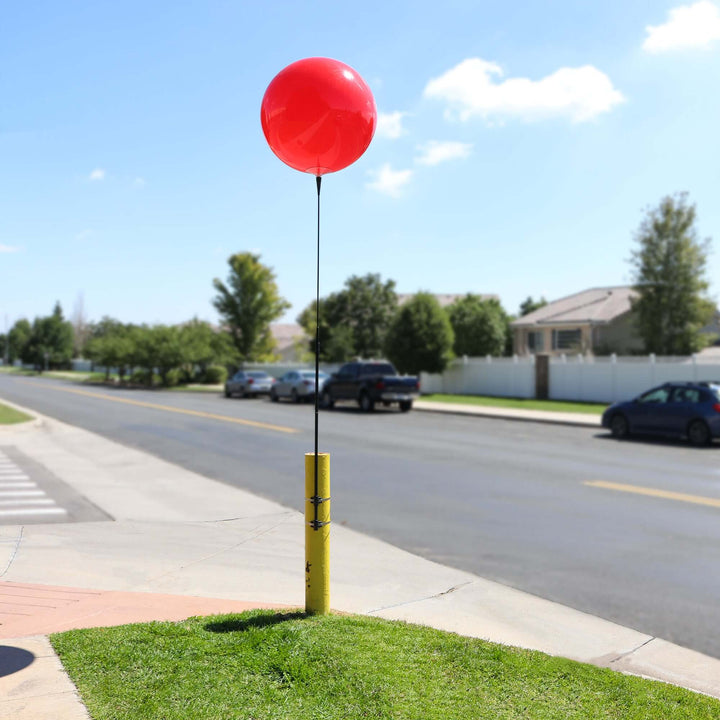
(378, 369)
(686, 395)
(311, 374)
(658, 395)
(238, 376)
(257, 374)
(350, 370)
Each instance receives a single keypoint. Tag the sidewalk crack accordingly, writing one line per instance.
(14, 551)
(417, 600)
(630, 652)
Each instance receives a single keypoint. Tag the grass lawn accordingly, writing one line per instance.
(521, 403)
(263, 664)
(197, 388)
(11, 416)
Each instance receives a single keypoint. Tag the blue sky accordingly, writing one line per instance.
(518, 147)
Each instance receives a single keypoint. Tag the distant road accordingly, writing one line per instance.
(628, 531)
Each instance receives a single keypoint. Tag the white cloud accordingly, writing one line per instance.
(97, 174)
(389, 125)
(688, 26)
(389, 181)
(435, 152)
(471, 89)
(9, 248)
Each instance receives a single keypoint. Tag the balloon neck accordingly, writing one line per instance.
(318, 182)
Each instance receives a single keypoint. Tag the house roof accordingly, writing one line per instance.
(596, 306)
(445, 299)
(285, 334)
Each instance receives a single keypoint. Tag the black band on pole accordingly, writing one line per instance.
(318, 181)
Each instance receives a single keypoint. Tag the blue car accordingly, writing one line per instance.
(689, 410)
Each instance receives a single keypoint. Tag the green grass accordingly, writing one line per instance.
(264, 665)
(197, 388)
(11, 416)
(521, 403)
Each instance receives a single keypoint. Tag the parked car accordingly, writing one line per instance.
(369, 383)
(249, 383)
(687, 409)
(297, 385)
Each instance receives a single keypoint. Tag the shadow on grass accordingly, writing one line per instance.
(241, 624)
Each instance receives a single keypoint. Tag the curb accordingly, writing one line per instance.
(517, 415)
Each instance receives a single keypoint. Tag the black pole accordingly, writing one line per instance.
(316, 500)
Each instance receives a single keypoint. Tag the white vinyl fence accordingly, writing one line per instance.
(504, 377)
(607, 379)
(576, 377)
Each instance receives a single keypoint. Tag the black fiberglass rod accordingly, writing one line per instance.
(316, 500)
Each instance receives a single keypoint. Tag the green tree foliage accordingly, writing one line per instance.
(669, 276)
(159, 348)
(203, 346)
(248, 304)
(51, 341)
(112, 344)
(354, 322)
(480, 326)
(420, 337)
(529, 305)
(19, 340)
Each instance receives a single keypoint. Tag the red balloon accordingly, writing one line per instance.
(318, 115)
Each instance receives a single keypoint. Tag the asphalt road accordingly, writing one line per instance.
(507, 500)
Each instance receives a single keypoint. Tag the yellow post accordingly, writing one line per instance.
(317, 535)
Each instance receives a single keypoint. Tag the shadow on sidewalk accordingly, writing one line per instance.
(14, 659)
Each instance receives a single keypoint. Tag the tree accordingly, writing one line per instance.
(480, 326)
(203, 346)
(248, 304)
(420, 338)
(51, 341)
(529, 305)
(18, 340)
(353, 321)
(112, 344)
(337, 340)
(669, 277)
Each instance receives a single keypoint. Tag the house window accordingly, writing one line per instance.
(567, 339)
(535, 342)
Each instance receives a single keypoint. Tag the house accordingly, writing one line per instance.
(445, 299)
(290, 341)
(597, 321)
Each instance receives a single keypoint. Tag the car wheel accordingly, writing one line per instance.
(294, 396)
(365, 402)
(326, 400)
(405, 405)
(227, 393)
(619, 426)
(273, 395)
(698, 433)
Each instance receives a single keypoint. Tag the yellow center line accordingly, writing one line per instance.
(167, 408)
(655, 492)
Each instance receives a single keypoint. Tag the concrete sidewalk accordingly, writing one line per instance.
(543, 416)
(181, 544)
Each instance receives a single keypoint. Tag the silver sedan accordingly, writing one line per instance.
(297, 385)
(249, 383)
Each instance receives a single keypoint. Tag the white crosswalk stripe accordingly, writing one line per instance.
(20, 496)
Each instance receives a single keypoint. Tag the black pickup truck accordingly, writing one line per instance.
(369, 383)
